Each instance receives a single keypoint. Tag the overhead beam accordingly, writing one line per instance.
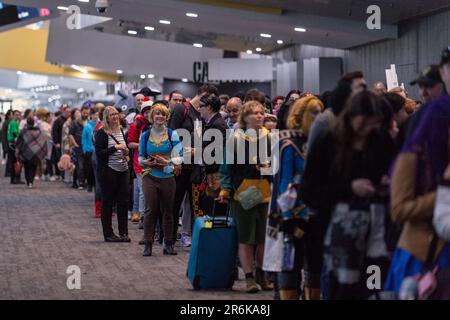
(240, 6)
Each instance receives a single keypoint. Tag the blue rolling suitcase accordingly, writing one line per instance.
(212, 258)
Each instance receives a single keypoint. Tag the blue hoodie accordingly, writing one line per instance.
(86, 140)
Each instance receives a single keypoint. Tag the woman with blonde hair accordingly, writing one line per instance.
(289, 221)
(113, 174)
(160, 153)
(240, 174)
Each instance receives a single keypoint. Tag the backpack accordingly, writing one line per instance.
(146, 136)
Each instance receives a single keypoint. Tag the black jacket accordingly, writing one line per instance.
(102, 151)
(57, 129)
(217, 123)
(183, 117)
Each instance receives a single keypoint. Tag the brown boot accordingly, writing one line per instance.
(262, 281)
(251, 285)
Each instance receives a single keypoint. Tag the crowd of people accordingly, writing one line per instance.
(358, 171)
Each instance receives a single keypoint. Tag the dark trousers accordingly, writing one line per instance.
(183, 185)
(30, 167)
(79, 166)
(49, 167)
(11, 162)
(114, 191)
(88, 170)
(159, 195)
(56, 155)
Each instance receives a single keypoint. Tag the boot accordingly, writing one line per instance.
(312, 293)
(147, 249)
(98, 209)
(251, 285)
(262, 281)
(169, 249)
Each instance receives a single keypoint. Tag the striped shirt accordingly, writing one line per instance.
(117, 161)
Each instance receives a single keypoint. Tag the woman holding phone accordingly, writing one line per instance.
(112, 169)
(160, 155)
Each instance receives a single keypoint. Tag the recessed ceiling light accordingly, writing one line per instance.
(143, 76)
(184, 80)
(164, 21)
(198, 45)
(148, 28)
(62, 8)
(87, 1)
(192, 15)
(280, 41)
(119, 72)
(151, 76)
(258, 49)
(300, 29)
(265, 35)
(133, 32)
(249, 52)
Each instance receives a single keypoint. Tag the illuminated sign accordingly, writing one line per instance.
(11, 14)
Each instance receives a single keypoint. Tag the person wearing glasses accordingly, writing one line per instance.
(112, 169)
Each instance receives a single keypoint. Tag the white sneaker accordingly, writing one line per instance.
(52, 178)
(129, 215)
(3, 162)
(30, 186)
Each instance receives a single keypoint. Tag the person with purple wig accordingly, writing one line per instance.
(421, 166)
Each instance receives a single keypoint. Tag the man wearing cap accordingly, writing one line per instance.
(431, 88)
(137, 127)
(430, 84)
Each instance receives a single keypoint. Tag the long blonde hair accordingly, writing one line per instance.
(106, 117)
(300, 114)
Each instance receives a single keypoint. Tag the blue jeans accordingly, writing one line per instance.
(138, 195)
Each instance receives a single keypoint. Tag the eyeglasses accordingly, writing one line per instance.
(114, 114)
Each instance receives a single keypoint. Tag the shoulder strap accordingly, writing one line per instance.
(431, 253)
(138, 126)
(145, 136)
(169, 133)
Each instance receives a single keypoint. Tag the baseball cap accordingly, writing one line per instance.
(445, 56)
(429, 77)
(147, 105)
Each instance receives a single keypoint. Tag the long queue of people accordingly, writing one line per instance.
(356, 187)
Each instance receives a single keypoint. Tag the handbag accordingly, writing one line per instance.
(252, 192)
(18, 167)
(278, 254)
(441, 216)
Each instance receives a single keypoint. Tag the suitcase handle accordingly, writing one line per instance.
(214, 224)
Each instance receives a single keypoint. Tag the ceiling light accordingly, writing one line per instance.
(198, 45)
(80, 90)
(249, 52)
(265, 35)
(192, 15)
(142, 76)
(62, 8)
(101, 83)
(164, 21)
(280, 41)
(133, 32)
(258, 49)
(148, 28)
(300, 29)
(119, 71)
(184, 80)
(80, 69)
(151, 76)
(87, 1)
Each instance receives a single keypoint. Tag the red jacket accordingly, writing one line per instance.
(134, 136)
